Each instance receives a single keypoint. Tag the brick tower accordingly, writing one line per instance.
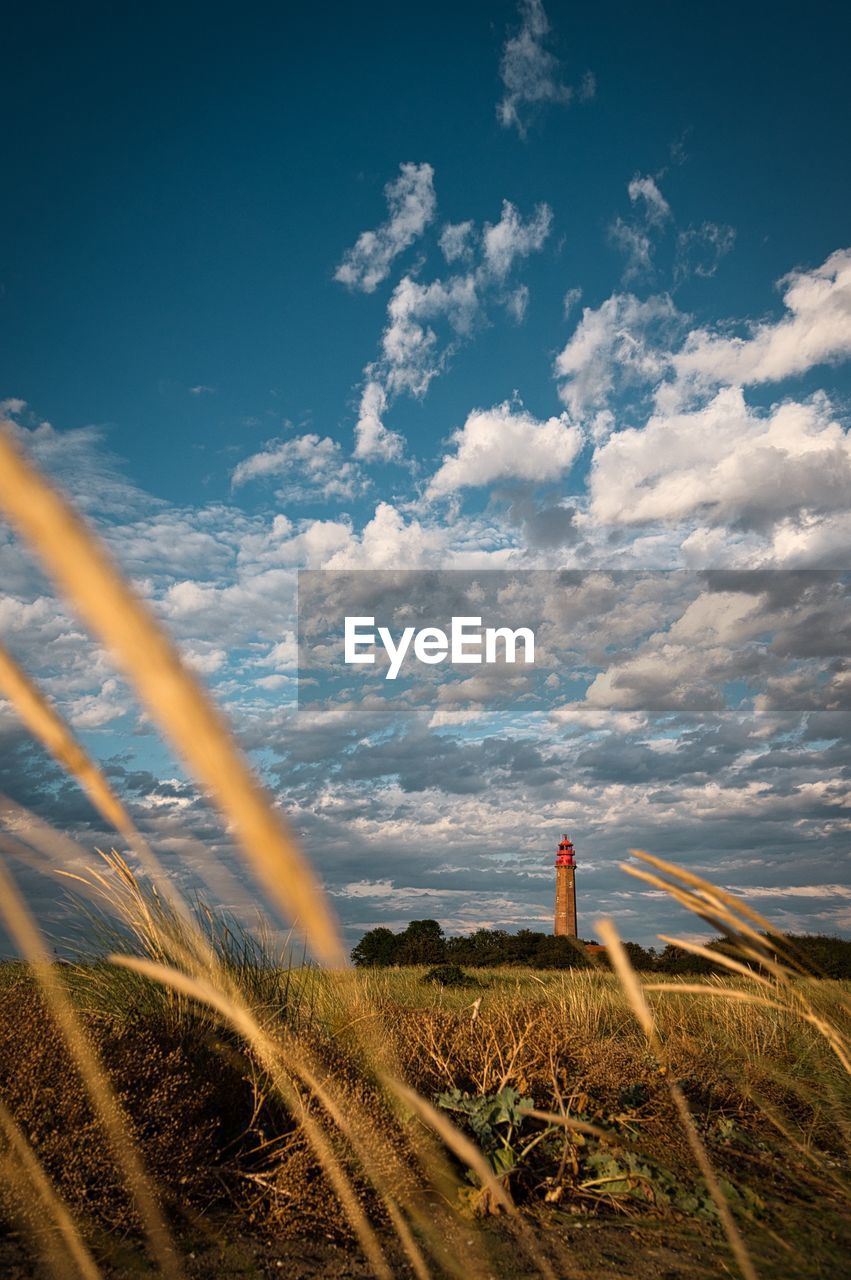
(565, 919)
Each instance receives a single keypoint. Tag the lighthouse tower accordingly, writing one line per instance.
(565, 918)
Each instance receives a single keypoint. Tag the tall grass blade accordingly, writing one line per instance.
(619, 959)
(82, 568)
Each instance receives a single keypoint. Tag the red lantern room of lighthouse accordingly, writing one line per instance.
(565, 913)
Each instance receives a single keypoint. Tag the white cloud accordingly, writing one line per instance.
(511, 238)
(635, 238)
(455, 240)
(644, 191)
(506, 443)
(410, 353)
(636, 246)
(202, 390)
(388, 542)
(816, 330)
(411, 206)
(517, 303)
(530, 73)
(312, 465)
(426, 322)
(94, 710)
(623, 342)
(697, 249)
(597, 718)
(373, 441)
(725, 463)
(806, 540)
(571, 299)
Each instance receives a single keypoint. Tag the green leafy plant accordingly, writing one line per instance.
(495, 1121)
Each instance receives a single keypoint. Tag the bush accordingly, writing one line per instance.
(448, 975)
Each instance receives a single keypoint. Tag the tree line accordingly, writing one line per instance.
(424, 942)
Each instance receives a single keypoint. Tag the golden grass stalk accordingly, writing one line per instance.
(47, 725)
(82, 568)
(106, 1106)
(283, 1064)
(36, 1181)
(724, 993)
(632, 986)
(748, 942)
(717, 957)
(44, 722)
(461, 1263)
(232, 1009)
(737, 910)
(566, 1122)
(736, 920)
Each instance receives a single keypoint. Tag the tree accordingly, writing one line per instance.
(559, 953)
(423, 942)
(378, 947)
(484, 947)
(640, 957)
(828, 957)
(676, 960)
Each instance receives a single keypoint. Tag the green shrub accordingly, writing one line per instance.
(448, 975)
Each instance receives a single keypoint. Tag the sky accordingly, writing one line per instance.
(510, 287)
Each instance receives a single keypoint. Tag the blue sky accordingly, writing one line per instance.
(382, 286)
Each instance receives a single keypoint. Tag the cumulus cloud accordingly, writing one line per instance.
(411, 354)
(725, 463)
(816, 330)
(311, 465)
(411, 206)
(625, 342)
(502, 443)
(530, 73)
(388, 541)
(756, 485)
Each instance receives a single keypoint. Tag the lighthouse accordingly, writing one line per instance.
(565, 917)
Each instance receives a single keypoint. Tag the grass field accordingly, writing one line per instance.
(243, 1189)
